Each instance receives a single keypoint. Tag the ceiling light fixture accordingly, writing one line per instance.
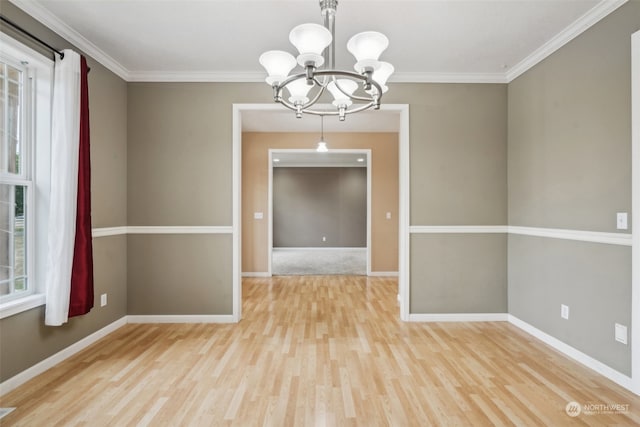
(316, 47)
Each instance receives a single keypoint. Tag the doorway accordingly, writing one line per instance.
(399, 113)
(310, 239)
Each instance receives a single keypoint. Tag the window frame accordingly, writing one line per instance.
(35, 172)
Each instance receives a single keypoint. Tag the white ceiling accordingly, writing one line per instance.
(221, 40)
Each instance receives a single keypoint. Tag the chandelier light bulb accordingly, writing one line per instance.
(278, 64)
(298, 89)
(340, 98)
(310, 40)
(367, 47)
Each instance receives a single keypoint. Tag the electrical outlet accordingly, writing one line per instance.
(103, 300)
(564, 311)
(621, 333)
(324, 238)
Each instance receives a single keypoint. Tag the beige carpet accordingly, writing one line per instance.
(319, 261)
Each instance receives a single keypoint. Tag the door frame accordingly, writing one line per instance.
(635, 212)
(236, 201)
(272, 151)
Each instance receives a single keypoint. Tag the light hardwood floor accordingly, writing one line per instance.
(317, 351)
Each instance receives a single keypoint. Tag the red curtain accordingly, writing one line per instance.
(81, 301)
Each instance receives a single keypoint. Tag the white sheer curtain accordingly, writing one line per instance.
(64, 186)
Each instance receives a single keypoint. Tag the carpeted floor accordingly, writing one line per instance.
(319, 261)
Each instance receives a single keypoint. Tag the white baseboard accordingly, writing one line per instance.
(181, 318)
(383, 274)
(319, 248)
(574, 354)
(60, 356)
(256, 274)
(459, 317)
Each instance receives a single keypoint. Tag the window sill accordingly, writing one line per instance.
(11, 308)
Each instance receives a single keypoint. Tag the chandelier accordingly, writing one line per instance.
(352, 91)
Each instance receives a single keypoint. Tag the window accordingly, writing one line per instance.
(15, 182)
(25, 135)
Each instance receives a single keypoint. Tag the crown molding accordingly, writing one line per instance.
(44, 16)
(413, 77)
(197, 76)
(258, 77)
(48, 19)
(586, 21)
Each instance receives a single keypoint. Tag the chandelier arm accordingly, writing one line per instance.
(336, 113)
(291, 79)
(333, 73)
(315, 98)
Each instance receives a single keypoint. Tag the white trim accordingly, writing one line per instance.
(586, 21)
(426, 77)
(270, 213)
(48, 19)
(197, 76)
(319, 249)
(182, 318)
(383, 274)
(117, 231)
(236, 213)
(258, 77)
(459, 317)
(369, 198)
(60, 356)
(19, 305)
(623, 239)
(437, 229)
(108, 231)
(635, 211)
(180, 230)
(573, 353)
(256, 274)
(404, 214)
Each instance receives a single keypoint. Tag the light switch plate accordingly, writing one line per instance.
(621, 220)
(621, 333)
(564, 311)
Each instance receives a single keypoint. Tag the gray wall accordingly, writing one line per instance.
(458, 177)
(180, 174)
(570, 167)
(458, 273)
(24, 340)
(312, 203)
